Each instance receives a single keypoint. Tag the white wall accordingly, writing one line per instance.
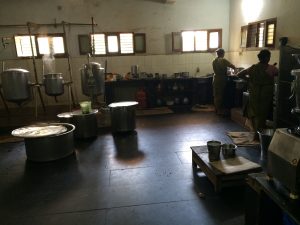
(287, 14)
(152, 17)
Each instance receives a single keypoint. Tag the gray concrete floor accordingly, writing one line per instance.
(143, 177)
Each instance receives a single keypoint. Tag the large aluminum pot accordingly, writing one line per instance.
(92, 79)
(15, 85)
(49, 148)
(54, 84)
(122, 116)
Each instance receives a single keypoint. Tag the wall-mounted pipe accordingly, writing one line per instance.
(69, 64)
(46, 24)
(34, 66)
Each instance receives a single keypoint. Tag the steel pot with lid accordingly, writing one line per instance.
(15, 85)
(47, 142)
(92, 79)
(123, 116)
(54, 84)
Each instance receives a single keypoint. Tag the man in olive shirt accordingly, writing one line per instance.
(219, 80)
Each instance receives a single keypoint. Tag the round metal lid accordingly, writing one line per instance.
(35, 131)
(122, 104)
(76, 113)
(17, 70)
(79, 112)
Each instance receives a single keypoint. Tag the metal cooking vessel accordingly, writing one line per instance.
(86, 124)
(52, 147)
(92, 79)
(54, 84)
(283, 160)
(15, 85)
(122, 116)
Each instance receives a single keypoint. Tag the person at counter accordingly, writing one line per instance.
(220, 65)
(260, 84)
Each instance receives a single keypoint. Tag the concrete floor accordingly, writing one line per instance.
(143, 177)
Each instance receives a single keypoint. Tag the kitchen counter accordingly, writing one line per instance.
(173, 92)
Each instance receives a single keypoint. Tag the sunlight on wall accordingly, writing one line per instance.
(251, 9)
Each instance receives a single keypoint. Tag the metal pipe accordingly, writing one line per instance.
(35, 101)
(69, 63)
(93, 39)
(69, 97)
(34, 66)
(44, 24)
(4, 102)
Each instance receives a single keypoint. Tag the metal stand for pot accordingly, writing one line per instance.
(35, 89)
(68, 84)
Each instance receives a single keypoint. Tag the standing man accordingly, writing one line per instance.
(219, 80)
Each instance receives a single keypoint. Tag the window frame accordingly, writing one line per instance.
(83, 47)
(59, 55)
(143, 37)
(269, 22)
(209, 31)
(36, 50)
(244, 33)
(38, 54)
(107, 34)
(251, 37)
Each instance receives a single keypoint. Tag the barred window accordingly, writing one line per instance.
(259, 34)
(197, 40)
(42, 45)
(117, 43)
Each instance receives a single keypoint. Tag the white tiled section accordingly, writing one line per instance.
(163, 64)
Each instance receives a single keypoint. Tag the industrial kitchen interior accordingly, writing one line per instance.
(153, 112)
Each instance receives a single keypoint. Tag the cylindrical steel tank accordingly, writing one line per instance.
(92, 79)
(122, 116)
(54, 84)
(15, 85)
(86, 124)
(49, 147)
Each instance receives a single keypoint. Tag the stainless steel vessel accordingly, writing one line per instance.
(86, 124)
(54, 84)
(92, 79)
(15, 85)
(49, 148)
(122, 116)
(283, 160)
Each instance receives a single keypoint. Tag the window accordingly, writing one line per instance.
(126, 43)
(98, 44)
(51, 45)
(112, 44)
(140, 43)
(199, 40)
(42, 45)
(270, 33)
(23, 46)
(259, 34)
(116, 43)
(244, 30)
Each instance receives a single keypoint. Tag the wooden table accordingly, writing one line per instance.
(218, 178)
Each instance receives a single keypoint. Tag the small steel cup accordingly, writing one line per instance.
(228, 150)
(214, 148)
